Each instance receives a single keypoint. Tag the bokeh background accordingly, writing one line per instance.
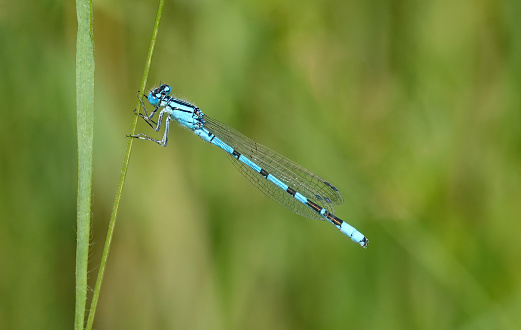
(411, 108)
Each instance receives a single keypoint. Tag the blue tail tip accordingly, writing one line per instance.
(364, 242)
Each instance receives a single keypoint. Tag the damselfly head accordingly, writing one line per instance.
(158, 93)
(154, 97)
(165, 89)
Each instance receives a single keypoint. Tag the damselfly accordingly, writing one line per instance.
(284, 181)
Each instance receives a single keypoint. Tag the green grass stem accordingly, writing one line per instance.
(126, 160)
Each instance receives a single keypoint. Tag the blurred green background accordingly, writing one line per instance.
(414, 107)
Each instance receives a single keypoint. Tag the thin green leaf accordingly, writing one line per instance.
(85, 131)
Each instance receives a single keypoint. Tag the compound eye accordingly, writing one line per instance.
(153, 99)
(165, 89)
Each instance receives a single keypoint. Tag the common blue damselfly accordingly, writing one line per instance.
(281, 179)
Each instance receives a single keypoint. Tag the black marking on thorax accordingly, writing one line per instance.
(171, 102)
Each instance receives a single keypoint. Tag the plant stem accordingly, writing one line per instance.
(126, 160)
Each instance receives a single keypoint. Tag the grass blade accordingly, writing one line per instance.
(112, 222)
(85, 131)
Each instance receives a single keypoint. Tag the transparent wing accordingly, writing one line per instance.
(313, 187)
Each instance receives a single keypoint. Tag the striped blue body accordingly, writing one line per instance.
(286, 182)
